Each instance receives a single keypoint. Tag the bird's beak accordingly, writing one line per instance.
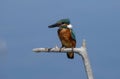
(53, 25)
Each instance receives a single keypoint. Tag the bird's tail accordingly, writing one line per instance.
(70, 55)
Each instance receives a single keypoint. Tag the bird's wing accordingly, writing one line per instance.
(73, 35)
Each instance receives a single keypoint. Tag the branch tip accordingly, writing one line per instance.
(84, 43)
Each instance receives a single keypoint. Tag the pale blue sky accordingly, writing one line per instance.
(24, 26)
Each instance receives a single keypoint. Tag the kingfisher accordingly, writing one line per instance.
(66, 35)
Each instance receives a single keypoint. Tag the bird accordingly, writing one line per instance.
(66, 35)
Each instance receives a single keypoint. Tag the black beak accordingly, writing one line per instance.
(53, 25)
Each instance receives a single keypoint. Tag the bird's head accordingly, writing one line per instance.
(63, 23)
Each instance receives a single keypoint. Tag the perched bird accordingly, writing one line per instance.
(66, 35)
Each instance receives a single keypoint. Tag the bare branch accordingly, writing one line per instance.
(82, 51)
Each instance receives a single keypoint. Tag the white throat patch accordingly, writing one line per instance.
(69, 26)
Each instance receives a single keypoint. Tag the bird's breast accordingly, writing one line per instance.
(66, 38)
(65, 34)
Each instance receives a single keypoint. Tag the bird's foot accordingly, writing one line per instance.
(72, 49)
(61, 48)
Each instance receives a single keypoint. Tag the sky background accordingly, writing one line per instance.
(24, 26)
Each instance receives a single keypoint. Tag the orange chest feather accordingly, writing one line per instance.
(64, 34)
